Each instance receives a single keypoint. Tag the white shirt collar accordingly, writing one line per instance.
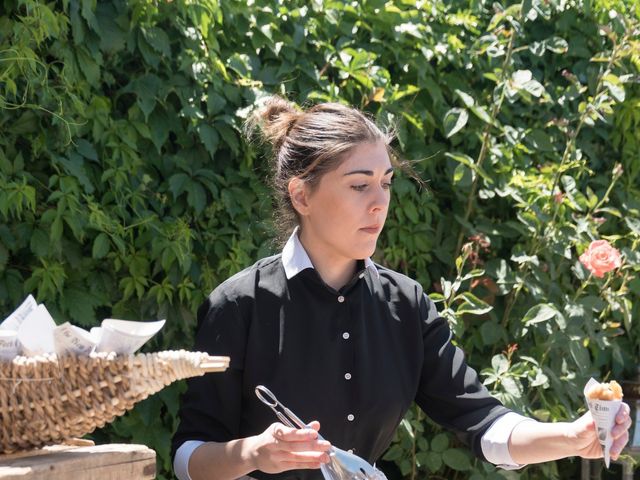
(295, 257)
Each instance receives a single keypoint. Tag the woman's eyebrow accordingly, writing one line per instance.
(367, 172)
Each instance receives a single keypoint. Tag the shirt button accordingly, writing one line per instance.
(361, 275)
(350, 417)
(347, 376)
(341, 299)
(345, 335)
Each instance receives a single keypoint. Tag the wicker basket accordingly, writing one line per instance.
(45, 400)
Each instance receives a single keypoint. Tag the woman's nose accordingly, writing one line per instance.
(380, 200)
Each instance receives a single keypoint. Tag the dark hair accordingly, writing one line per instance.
(307, 144)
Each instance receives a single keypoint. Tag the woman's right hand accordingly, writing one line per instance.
(280, 448)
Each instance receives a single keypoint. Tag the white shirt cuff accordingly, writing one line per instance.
(495, 441)
(181, 460)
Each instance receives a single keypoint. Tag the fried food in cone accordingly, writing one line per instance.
(605, 391)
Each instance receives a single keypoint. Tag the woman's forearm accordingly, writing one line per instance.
(535, 442)
(222, 461)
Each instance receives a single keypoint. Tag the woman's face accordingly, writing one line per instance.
(344, 214)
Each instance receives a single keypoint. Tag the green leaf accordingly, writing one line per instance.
(55, 234)
(633, 224)
(537, 48)
(74, 165)
(39, 243)
(540, 140)
(81, 305)
(557, 45)
(473, 305)
(100, 246)
(157, 39)
(88, 8)
(468, 161)
(146, 88)
(476, 272)
(580, 355)
(433, 461)
(88, 65)
(534, 87)
(209, 138)
(481, 113)
(467, 99)
(491, 332)
(113, 37)
(87, 150)
(462, 176)
(500, 363)
(454, 120)
(457, 459)
(512, 386)
(4, 257)
(410, 211)
(229, 137)
(539, 313)
(394, 453)
(178, 184)
(196, 197)
(240, 63)
(215, 102)
(26, 123)
(440, 443)
(160, 123)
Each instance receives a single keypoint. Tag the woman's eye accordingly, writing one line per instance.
(359, 188)
(386, 185)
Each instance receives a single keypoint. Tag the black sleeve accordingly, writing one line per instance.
(211, 407)
(450, 391)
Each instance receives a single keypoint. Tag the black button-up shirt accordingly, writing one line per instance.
(353, 359)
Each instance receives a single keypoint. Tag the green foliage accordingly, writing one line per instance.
(127, 189)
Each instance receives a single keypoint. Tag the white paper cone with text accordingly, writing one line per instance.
(604, 414)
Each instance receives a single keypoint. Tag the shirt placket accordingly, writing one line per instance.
(350, 415)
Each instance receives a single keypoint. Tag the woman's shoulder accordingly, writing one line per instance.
(237, 293)
(243, 283)
(399, 282)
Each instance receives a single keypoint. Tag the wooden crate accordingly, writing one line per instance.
(98, 462)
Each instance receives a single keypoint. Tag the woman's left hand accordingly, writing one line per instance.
(585, 434)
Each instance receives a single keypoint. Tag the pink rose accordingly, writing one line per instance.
(600, 258)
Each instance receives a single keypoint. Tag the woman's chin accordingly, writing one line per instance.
(365, 252)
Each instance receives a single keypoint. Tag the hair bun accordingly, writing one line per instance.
(274, 120)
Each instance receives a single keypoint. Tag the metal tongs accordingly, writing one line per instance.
(342, 465)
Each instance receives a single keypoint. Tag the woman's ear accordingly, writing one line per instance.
(299, 195)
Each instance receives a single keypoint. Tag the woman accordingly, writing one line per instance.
(340, 340)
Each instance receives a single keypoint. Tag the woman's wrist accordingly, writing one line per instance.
(229, 460)
(535, 442)
(569, 440)
(249, 452)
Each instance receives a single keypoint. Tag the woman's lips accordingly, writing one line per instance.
(372, 229)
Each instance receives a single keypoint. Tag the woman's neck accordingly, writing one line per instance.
(335, 270)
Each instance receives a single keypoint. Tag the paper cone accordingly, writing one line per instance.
(604, 414)
(125, 336)
(9, 345)
(36, 333)
(71, 340)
